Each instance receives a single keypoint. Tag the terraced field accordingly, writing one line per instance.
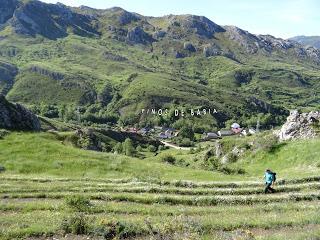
(40, 208)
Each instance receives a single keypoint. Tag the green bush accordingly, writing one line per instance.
(3, 133)
(78, 203)
(117, 230)
(168, 159)
(128, 147)
(152, 148)
(118, 148)
(161, 148)
(267, 143)
(139, 149)
(77, 224)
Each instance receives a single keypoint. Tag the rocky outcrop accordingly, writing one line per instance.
(16, 117)
(114, 57)
(49, 20)
(212, 50)
(159, 34)
(138, 36)
(243, 77)
(189, 47)
(7, 75)
(300, 126)
(199, 25)
(46, 72)
(267, 43)
(127, 17)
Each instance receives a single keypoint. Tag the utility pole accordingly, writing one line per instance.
(258, 125)
(78, 115)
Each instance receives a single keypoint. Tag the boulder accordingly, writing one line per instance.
(178, 54)
(211, 50)
(300, 126)
(189, 47)
(17, 117)
(159, 34)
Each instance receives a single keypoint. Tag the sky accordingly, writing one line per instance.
(280, 18)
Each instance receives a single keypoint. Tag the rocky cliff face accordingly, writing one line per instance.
(16, 117)
(49, 20)
(300, 126)
(7, 7)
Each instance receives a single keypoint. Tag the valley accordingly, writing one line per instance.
(115, 125)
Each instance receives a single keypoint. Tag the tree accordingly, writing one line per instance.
(118, 148)
(187, 132)
(128, 148)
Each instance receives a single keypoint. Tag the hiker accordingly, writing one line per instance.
(270, 178)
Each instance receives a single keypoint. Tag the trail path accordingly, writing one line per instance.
(175, 146)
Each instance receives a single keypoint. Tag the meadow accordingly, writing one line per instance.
(53, 190)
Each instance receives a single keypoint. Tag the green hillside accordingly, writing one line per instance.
(113, 62)
(46, 155)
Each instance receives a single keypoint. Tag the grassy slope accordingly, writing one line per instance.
(42, 154)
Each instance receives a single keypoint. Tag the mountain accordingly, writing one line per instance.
(313, 41)
(109, 64)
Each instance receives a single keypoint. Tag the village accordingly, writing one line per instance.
(163, 133)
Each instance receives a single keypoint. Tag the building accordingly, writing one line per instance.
(224, 133)
(144, 131)
(235, 127)
(210, 135)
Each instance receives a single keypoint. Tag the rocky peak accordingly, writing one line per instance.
(300, 126)
(123, 17)
(127, 17)
(245, 39)
(16, 117)
(200, 25)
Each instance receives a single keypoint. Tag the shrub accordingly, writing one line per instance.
(139, 148)
(78, 203)
(117, 230)
(161, 148)
(3, 133)
(152, 148)
(168, 159)
(267, 143)
(76, 224)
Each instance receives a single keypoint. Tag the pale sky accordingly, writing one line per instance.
(281, 18)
